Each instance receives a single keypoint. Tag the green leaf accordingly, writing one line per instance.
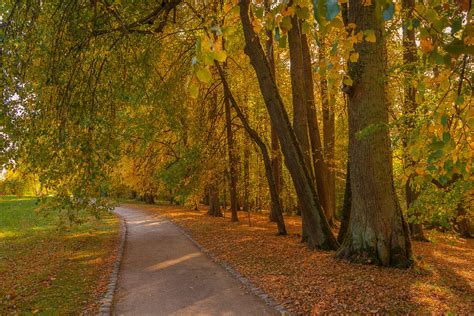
(444, 120)
(332, 9)
(457, 47)
(286, 23)
(316, 11)
(302, 13)
(282, 41)
(388, 12)
(446, 137)
(204, 75)
(431, 15)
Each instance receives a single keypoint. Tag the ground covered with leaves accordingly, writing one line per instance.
(51, 270)
(307, 281)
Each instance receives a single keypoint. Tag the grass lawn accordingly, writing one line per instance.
(47, 270)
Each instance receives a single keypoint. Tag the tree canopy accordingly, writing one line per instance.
(350, 113)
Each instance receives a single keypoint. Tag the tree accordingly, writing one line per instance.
(377, 230)
(232, 161)
(319, 233)
(275, 198)
(275, 145)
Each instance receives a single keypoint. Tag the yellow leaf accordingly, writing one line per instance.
(204, 75)
(194, 91)
(354, 57)
(347, 81)
(370, 36)
(221, 56)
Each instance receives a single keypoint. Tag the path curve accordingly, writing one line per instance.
(164, 273)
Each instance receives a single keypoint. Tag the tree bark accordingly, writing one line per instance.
(320, 167)
(298, 83)
(463, 223)
(275, 145)
(319, 232)
(214, 208)
(232, 161)
(300, 113)
(246, 206)
(377, 231)
(346, 208)
(275, 198)
(328, 138)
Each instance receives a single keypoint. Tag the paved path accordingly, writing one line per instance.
(164, 273)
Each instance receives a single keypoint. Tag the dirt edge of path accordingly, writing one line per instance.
(106, 303)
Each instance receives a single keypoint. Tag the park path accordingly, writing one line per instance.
(164, 273)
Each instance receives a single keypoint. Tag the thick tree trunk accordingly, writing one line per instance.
(214, 208)
(409, 107)
(328, 137)
(319, 232)
(377, 231)
(232, 162)
(275, 198)
(346, 208)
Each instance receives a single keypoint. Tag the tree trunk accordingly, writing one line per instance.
(275, 198)
(214, 208)
(275, 145)
(300, 113)
(463, 223)
(377, 231)
(232, 161)
(320, 166)
(346, 207)
(409, 108)
(298, 83)
(319, 232)
(149, 198)
(246, 206)
(328, 138)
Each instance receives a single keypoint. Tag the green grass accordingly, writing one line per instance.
(50, 270)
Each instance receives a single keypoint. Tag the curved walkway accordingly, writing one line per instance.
(164, 273)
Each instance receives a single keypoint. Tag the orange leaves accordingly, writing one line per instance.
(426, 44)
(306, 281)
